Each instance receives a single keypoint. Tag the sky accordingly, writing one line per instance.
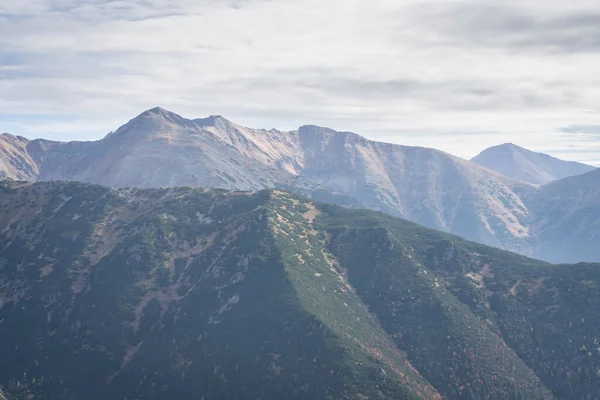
(455, 75)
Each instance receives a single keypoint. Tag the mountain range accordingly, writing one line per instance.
(162, 149)
(187, 293)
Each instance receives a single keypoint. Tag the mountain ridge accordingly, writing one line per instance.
(184, 293)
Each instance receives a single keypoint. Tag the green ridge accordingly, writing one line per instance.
(201, 294)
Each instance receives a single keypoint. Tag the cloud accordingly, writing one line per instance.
(15, 8)
(411, 72)
(512, 26)
(582, 130)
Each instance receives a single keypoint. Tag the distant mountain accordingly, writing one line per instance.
(525, 165)
(161, 149)
(565, 218)
(191, 293)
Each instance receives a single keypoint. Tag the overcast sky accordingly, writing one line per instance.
(455, 75)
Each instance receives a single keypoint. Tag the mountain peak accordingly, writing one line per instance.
(508, 145)
(315, 131)
(9, 136)
(504, 147)
(150, 120)
(523, 164)
(146, 123)
(160, 112)
(212, 120)
(156, 110)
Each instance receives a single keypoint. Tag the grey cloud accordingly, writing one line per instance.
(575, 149)
(582, 130)
(512, 27)
(444, 94)
(92, 11)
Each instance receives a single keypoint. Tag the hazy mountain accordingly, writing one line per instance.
(192, 293)
(525, 165)
(565, 218)
(159, 149)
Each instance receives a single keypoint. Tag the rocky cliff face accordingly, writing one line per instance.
(192, 293)
(519, 163)
(161, 149)
(15, 160)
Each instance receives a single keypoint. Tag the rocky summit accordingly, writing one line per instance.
(185, 293)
